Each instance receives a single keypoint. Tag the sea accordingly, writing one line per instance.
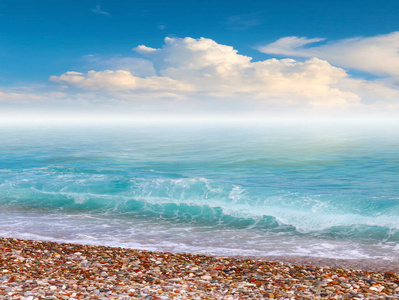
(265, 188)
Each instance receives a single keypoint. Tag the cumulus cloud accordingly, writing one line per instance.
(377, 55)
(203, 69)
(119, 80)
(21, 95)
(17, 97)
(138, 66)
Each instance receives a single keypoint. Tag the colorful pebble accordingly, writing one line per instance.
(33, 270)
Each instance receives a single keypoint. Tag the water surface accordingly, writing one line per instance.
(277, 188)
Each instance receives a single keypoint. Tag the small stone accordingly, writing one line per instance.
(125, 260)
(136, 274)
(377, 288)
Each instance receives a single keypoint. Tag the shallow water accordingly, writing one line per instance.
(272, 189)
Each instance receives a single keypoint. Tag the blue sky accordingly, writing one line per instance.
(41, 41)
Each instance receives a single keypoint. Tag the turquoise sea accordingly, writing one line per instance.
(321, 189)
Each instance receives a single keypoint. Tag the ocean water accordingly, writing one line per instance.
(258, 189)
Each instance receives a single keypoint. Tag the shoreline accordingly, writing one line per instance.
(48, 270)
(364, 264)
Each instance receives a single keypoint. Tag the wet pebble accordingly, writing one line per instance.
(69, 272)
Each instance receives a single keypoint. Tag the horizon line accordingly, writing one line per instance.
(80, 118)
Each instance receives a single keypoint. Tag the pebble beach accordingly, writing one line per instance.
(47, 270)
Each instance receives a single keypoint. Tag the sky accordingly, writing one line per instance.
(137, 59)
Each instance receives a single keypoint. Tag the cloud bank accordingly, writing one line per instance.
(201, 76)
(202, 69)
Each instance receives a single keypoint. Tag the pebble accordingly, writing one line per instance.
(72, 272)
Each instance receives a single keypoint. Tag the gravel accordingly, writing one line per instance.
(31, 270)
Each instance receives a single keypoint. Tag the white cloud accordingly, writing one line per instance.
(199, 75)
(99, 11)
(15, 97)
(144, 49)
(17, 101)
(201, 69)
(118, 81)
(378, 55)
(137, 66)
(290, 45)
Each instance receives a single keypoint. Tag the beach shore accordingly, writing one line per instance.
(47, 270)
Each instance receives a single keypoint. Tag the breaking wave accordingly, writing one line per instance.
(199, 201)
